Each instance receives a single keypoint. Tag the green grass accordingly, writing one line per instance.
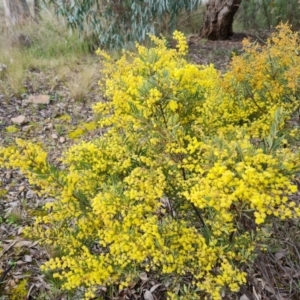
(51, 46)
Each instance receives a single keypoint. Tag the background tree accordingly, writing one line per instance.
(16, 12)
(267, 14)
(115, 24)
(218, 19)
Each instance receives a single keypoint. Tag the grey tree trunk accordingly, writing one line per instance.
(218, 19)
(16, 12)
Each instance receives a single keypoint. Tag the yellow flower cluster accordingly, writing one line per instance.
(169, 186)
(262, 80)
(181, 42)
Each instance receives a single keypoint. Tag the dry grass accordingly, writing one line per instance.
(47, 45)
(191, 22)
(79, 82)
(13, 77)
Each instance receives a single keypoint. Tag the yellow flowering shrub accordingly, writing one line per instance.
(264, 78)
(176, 185)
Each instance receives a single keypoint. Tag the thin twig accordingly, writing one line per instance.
(8, 247)
(254, 101)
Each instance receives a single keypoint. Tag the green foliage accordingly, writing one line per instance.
(3, 192)
(51, 46)
(51, 40)
(116, 24)
(262, 14)
(14, 217)
(82, 129)
(12, 129)
(191, 167)
(20, 291)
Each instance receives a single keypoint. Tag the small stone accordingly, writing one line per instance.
(39, 99)
(29, 194)
(54, 136)
(19, 120)
(62, 139)
(27, 258)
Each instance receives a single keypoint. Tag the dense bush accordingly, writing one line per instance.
(190, 169)
(116, 23)
(267, 14)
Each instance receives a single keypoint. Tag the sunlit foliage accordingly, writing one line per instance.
(190, 169)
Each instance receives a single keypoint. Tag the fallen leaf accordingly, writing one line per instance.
(155, 287)
(20, 230)
(21, 188)
(20, 275)
(8, 175)
(244, 297)
(143, 276)
(257, 296)
(148, 295)
(29, 291)
(20, 244)
(5, 249)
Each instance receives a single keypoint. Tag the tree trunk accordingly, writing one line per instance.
(16, 12)
(218, 19)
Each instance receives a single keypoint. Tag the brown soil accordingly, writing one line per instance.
(218, 53)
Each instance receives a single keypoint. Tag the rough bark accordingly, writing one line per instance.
(218, 19)
(16, 12)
